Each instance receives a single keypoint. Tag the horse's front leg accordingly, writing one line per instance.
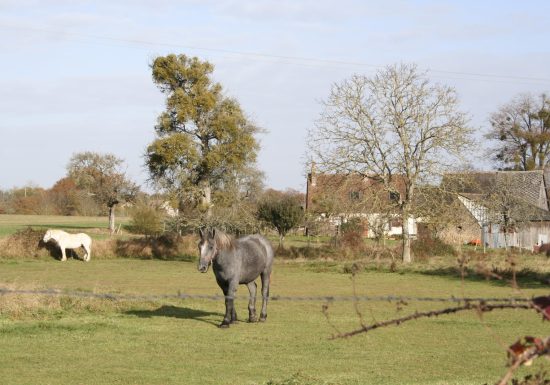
(252, 301)
(230, 312)
(63, 255)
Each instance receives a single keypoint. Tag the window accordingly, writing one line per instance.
(395, 196)
(355, 195)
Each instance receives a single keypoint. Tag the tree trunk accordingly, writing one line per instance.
(281, 240)
(405, 215)
(206, 198)
(112, 219)
(407, 258)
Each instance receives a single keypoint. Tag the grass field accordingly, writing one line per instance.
(75, 340)
(91, 341)
(9, 224)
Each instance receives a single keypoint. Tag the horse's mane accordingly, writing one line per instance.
(223, 240)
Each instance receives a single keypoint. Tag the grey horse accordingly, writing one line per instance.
(237, 261)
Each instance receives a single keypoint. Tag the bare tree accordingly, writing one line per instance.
(101, 175)
(394, 123)
(521, 131)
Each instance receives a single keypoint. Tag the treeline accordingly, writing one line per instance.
(94, 185)
(151, 214)
(64, 198)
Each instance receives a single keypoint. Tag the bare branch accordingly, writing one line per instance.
(480, 307)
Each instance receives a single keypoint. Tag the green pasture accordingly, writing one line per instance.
(9, 224)
(65, 340)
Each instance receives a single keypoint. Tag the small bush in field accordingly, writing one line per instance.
(431, 247)
(352, 240)
(353, 225)
(146, 220)
(281, 211)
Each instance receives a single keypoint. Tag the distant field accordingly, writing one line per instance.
(9, 224)
(83, 341)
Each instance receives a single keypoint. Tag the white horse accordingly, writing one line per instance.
(70, 241)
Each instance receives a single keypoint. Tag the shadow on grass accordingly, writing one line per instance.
(525, 278)
(177, 312)
(55, 252)
(163, 258)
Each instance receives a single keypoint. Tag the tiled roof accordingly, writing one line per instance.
(527, 185)
(349, 188)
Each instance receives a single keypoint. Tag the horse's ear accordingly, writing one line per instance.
(213, 233)
(201, 233)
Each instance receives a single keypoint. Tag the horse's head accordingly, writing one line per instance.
(207, 249)
(47, 236)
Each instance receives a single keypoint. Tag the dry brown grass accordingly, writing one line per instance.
(26, 243)
(104, 248)
(169, 246)
(17, 306)
(26, 303)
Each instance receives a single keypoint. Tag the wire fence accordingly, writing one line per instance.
(327, 298)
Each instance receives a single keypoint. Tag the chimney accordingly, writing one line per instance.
(311, 182)
(312, 176)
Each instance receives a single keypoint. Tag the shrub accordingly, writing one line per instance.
(353, 225)
(283, 213)
(352, 240)
(146, 220)
(431, 247)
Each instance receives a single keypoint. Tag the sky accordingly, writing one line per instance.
(75, 75)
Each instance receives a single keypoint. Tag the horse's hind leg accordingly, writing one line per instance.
(265, 294)
(252, 301)
(88, 253)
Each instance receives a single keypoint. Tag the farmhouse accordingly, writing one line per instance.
(494, 208)
(335, 199)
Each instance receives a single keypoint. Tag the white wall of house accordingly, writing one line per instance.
(374, 220)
